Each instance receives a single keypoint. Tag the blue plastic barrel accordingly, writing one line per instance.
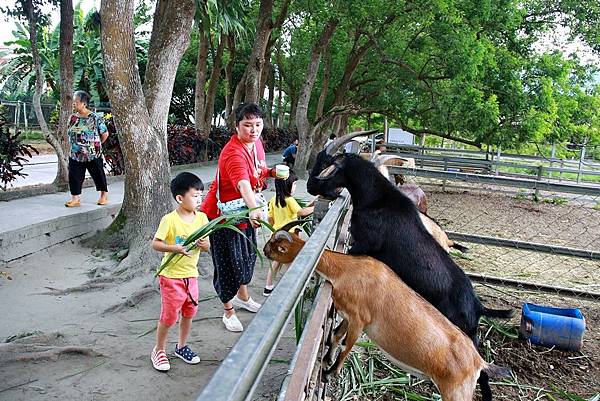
(550, 326)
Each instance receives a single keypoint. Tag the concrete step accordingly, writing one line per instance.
(35, 223)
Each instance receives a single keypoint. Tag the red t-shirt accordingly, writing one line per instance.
(236, 163)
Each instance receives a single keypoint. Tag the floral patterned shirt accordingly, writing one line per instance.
(84, 137)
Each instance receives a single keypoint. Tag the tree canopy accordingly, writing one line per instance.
(483, 72)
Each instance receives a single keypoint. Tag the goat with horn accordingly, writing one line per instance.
(385, 224)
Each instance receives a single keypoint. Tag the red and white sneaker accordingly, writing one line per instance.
(160, 360)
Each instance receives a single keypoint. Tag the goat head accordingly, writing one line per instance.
(283, 246)
(325, 178)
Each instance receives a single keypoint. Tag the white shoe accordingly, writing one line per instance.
(250, 305)
(232, 323)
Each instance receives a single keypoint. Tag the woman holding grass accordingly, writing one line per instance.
(241, 175)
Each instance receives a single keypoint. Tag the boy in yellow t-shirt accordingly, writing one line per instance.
(283, 208)
(178, 280)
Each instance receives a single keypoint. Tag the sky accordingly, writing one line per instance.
(554, 40)
(8, 27)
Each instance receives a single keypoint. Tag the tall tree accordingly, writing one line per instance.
(251, 83)
(140, 115)
(304, 127)
(66, 83)
(217, 26)
(32, 12)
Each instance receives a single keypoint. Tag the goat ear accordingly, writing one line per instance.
(283, 235)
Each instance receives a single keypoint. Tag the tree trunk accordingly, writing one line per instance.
(200, 96)
(356, 54)
(66, 88)
(212, 85)
(264, 76)
(325, 85)
(271, 83)
(319, 139)
(293, 105)
(280, 111)
(141, 113)
(257, 58)
(229, 76)
(169, 40)
(304, 126)
(343, 125)
(37, 95)
(237, 99)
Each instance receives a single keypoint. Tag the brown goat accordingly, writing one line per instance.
(410, 331)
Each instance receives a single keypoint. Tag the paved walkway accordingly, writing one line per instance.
(20, 213)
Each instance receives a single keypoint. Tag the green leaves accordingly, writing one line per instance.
(227, 222)
(222, 223)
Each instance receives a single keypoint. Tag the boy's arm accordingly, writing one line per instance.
(203, 244)
(161, 246)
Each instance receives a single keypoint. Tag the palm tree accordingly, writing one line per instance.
(18, 74)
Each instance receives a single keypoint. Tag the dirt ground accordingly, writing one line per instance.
(117, 365)
(43, 147)
(124, 339)
(539, 373)
(116, 345)
(572, 224)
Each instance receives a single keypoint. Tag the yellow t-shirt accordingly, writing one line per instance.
(283, 215)
(174, 230)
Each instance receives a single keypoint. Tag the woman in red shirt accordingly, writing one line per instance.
(241, 175)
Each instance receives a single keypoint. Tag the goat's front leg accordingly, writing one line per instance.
(354, 330)
(338, 333)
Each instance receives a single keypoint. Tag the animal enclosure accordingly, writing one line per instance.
(503, 226)
(520, 236)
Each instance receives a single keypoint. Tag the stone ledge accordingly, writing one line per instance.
(27, 240)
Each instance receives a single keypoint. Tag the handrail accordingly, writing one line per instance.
(470, 162)
(591, 190)
(240, 372)
(418, 148)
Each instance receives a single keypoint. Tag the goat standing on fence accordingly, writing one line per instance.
(415, 194)
(385, 224)
(411, 332)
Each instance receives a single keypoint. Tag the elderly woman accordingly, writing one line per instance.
(241, 175)
(86, 132)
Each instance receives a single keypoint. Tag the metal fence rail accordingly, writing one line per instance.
(511, 243)
(465, 162)
(241, 370)
(592, 190)
(302, 381)
(551, 246)
(414, 149)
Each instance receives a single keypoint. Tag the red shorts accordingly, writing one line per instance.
(175, 296)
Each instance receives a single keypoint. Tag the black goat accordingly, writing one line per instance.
(385, 224)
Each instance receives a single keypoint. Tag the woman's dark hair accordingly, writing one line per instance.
(83, 97)
(248, 110)
(283, 189)
(183, 182)
(332, 136)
